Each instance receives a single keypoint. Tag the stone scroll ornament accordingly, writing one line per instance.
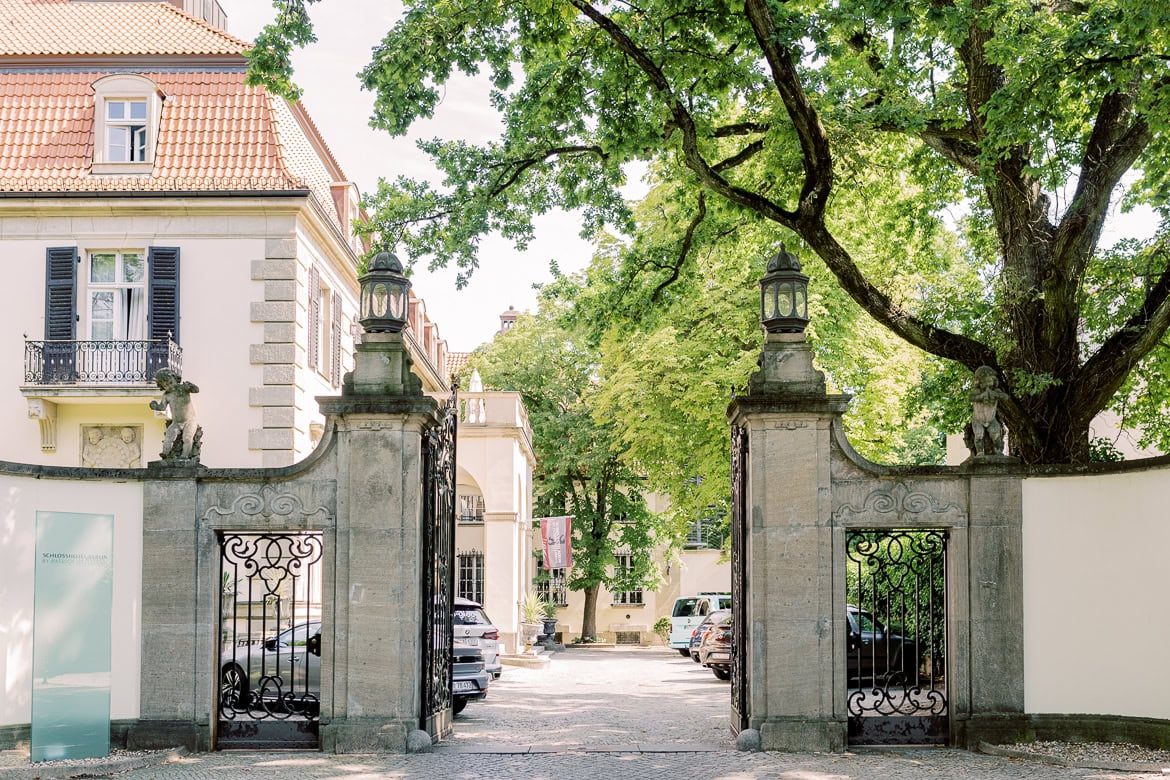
(985, 433)
(184, 435)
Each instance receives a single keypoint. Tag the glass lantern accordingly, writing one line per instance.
(385, 295)
(784, 295)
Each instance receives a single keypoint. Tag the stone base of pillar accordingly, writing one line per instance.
(366, 735)
(994, 728)
(165, 734)
(802, 735)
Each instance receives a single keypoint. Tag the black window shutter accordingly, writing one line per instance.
(314, 317)
(163, 264)
(61, 293)
(335, 350)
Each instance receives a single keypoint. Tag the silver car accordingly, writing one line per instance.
(282, 673)
(471, 626)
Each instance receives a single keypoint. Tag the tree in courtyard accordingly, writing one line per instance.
(579, 465)
(1017, 125)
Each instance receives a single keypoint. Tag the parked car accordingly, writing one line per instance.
(876, 654)
(701, 630)
(688, 612)
(469, 678)
(716, 648)
(284, 671)
(471, 626)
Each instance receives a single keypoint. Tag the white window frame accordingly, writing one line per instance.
(141, 134)
(626, 598)
(122, 302)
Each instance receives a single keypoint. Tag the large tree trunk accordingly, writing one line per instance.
(589, 612)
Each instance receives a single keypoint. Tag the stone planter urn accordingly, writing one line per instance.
(528, 633)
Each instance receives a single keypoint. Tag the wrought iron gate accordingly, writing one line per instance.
(740, 648)
(896, 636)
(438, 571)
(270, 649)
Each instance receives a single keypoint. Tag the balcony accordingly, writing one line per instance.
(105, 363)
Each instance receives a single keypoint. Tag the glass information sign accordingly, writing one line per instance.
(72, 603)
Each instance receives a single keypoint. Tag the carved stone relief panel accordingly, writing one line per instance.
(111, 446)
(900, 506)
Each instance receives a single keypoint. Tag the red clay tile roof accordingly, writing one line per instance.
(456, 361)
(60, 27)
(216, 134)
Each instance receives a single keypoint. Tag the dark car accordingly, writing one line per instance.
(469, 679)
(700, 631)
(877, 655)
(715, 649)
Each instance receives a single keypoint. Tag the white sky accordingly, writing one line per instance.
(327, 72)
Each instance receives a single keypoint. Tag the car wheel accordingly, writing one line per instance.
(233, 687)
(458, 705)
(683, 652)
(722, 674)
(695, 657)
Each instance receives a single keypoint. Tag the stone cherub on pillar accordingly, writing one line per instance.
(984, 434)
(184, 435)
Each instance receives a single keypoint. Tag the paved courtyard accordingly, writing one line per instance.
(612, 714)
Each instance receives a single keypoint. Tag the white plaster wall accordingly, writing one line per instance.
(1096, 633)
(20, 499)
(702, 571)
(217, 249)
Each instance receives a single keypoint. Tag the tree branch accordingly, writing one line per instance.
(1103, 373)
(814, 142)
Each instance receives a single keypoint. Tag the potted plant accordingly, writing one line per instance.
(549, 618)
(531, 614)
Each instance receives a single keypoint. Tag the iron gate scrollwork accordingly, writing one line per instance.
(438, 569)
(896, 636)
(270, 650)
(741, 648)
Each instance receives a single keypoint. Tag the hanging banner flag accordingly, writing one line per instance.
(556, 536)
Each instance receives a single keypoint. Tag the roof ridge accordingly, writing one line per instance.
(245, 45)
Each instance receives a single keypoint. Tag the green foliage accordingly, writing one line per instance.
(950, 164)
(662, 628)
(580, 466)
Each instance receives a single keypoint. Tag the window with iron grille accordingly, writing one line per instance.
(553, 588)
(471, 509)
(627, 597)
(471, 576)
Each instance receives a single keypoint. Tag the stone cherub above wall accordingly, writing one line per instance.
(184, 436)
(984, 435)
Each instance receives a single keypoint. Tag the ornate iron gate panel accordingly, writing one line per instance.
(438, 570)
(270, 649)
(896, 636)
(740, 649)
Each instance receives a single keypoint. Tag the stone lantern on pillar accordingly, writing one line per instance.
(381, 360)
(786, 362)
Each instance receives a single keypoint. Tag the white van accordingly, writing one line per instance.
(689, 612)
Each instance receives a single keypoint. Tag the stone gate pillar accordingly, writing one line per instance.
(380, 420)
(788, 549)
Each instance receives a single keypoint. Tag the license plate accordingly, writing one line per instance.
(464, 686)
(469, 640)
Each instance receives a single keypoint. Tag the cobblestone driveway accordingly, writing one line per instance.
(590, 698)
(616, 715)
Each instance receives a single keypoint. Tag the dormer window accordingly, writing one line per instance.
(126, 131)
(127, 112)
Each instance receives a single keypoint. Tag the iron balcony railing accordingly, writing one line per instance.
(98, 362)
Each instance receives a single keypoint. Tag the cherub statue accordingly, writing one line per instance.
(984, 434)
(184, 435)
